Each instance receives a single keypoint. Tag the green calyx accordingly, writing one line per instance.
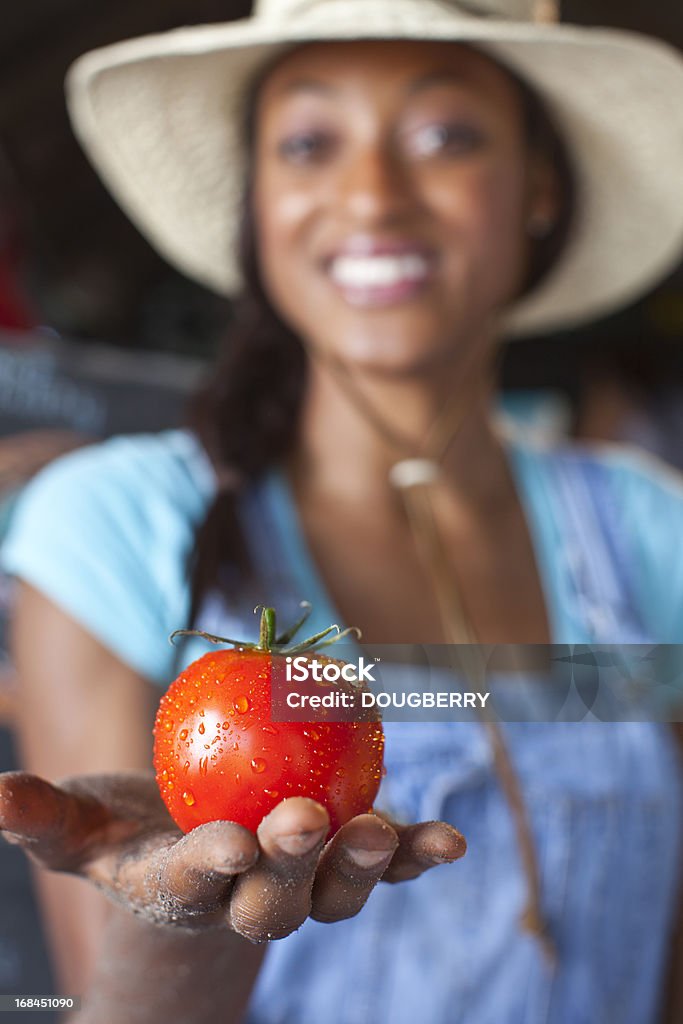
(270, 641)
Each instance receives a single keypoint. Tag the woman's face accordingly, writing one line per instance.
(392, 187)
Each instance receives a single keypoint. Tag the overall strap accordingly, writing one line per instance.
(599, 554)
(272, 582)
(228, 609)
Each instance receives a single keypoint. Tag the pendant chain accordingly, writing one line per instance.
(413, 477)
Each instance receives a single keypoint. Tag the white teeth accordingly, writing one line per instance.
(378, 271)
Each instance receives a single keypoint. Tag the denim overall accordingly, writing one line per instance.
(605, 802)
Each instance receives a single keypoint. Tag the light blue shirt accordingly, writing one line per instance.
(106, 533)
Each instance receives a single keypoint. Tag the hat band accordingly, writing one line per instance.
(509, 10)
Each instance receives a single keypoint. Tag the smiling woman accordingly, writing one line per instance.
(394, 179)
(417, 179)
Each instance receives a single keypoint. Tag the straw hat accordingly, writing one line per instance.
(159, 118)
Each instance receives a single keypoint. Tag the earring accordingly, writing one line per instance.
(539, 226)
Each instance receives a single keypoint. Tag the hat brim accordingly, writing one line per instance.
(160, 117)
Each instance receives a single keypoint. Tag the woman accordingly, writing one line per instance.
(407, 200)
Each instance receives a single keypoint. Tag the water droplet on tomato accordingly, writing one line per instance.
(270, 729)
(340, 772)
(186, 766)
(272, 793)
(189, 797)
(238, 778)
(241, 704)
(164, 775)
(203, 765)
(168, 724)
(226, 725)
(287, 758)
(202, 728)
(363, 790)
(258, 765)
(183, 734)
(201, 713)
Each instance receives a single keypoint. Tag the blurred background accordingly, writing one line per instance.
(99, 336)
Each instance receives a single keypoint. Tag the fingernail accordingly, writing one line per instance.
(368, 858)
(300, 842)
(448, 858)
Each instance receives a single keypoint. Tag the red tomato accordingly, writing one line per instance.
(219, 756)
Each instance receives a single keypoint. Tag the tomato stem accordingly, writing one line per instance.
(266, 640)
(269, 641)
(285, 637)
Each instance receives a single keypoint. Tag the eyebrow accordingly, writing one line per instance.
(308, 85)
(446, 76)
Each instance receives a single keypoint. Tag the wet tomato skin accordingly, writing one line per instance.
(218, 755)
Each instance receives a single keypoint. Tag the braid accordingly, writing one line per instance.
(246, 416)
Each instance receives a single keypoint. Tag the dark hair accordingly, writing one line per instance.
(246, 416)
(544, 139)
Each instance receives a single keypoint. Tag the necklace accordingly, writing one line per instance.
(414, 476)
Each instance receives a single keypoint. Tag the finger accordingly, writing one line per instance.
(350, 866)
(423, 846)
(168, 878)
(54, 826)
(274, 897)
(195, 874)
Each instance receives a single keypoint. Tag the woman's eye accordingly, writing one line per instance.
(450, 139)
(305, 147)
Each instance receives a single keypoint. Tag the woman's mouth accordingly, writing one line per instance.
(380, 279)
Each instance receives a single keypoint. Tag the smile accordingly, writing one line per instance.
(379, 280)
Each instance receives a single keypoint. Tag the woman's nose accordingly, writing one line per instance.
(375, 186)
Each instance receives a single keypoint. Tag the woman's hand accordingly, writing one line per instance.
(115, 831)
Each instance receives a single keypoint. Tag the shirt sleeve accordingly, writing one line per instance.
(106, 533)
